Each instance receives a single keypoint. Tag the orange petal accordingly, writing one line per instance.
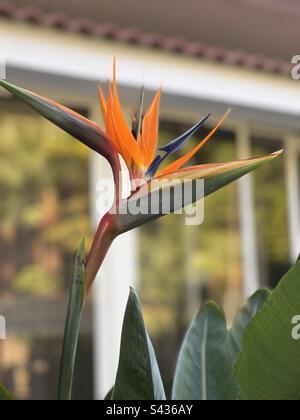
(180, 162)
(103, 103)
(208, 170)
(110, 125)
(126, 139)
(132, 117)
(149, 136)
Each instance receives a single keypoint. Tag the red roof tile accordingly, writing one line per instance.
(135, 36)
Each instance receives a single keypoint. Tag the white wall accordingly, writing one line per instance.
(66, 54)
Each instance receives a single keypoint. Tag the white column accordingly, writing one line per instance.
(247, 217)
(292, 184)
(110, 290)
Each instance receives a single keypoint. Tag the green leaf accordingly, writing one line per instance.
(4, 394)
(72, 327)
(205, 369)
(109, 394)
(168, 385)
(151, 195)
(138, 376)
(269, 366)
(241, 322)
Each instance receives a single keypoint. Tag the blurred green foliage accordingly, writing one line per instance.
(33, 280)
(44, 202)
(271, 216)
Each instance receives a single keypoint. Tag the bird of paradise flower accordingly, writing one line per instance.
(138, 146)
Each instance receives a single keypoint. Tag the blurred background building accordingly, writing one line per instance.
(208, 55)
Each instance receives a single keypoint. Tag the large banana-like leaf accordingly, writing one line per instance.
(215, 176)
(269, 366)
(73, 123)
(138, 376)
(72, 327)
(205, 368)
(4, 394)
(241, 322)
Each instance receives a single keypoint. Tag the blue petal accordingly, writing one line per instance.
(180, 141)
(155, 165)
(173, 147)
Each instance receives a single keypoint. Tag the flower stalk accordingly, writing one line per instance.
(104, 237)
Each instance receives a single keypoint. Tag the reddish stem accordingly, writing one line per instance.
(105, 235)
